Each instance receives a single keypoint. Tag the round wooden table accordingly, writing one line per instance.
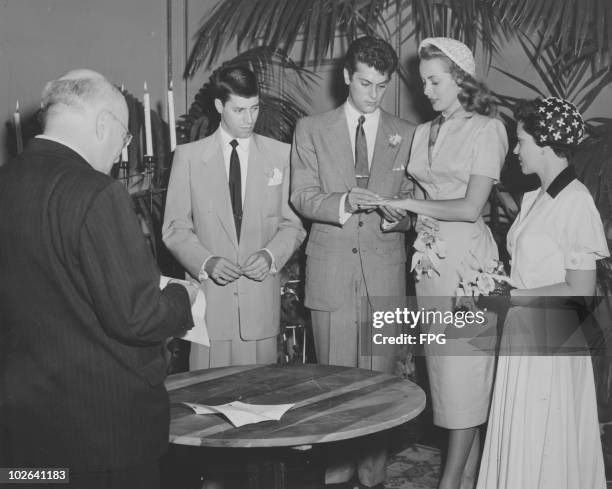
(332, 403)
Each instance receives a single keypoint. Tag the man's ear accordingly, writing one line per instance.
(347, 76)
(218, 105)
(102, 124)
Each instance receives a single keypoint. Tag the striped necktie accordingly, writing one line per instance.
(362, 172)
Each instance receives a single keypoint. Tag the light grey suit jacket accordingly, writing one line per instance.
(198, 223)
(323, 170)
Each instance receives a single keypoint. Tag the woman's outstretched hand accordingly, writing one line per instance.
(394, 203)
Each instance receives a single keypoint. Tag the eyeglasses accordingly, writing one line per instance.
(127, 136)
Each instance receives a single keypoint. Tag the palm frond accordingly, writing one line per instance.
(566, 22)
(474, 22)
(540, 58)
(597, 82)
(520, 80)
(284, 88)
(280, 23)
(592, 164)
(317, 23)
(565, 73)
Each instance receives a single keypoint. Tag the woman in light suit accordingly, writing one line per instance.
(456, 159)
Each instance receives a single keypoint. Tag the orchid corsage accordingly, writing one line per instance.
(429, 250)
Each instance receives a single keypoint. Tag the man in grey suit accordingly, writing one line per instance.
(343, 161)
(229, 223)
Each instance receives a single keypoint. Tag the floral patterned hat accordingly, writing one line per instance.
(558, 123)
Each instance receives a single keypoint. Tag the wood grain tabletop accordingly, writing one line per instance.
(332, 403)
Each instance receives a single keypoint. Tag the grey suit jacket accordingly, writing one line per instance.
(322, 171)
(198, 223)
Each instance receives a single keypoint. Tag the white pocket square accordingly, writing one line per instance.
(399, 168)
(275, 177)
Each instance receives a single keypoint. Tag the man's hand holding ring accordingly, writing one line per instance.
(359, 199)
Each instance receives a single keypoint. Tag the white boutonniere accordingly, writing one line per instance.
(275, 177)
(394, 140)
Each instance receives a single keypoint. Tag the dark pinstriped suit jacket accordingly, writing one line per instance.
(82, 318)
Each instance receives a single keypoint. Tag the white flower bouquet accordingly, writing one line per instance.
(479, 279)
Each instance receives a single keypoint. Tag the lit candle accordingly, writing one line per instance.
(304, 346)
(124, 151)
(171, 118)
(17, 121)
(147, 117)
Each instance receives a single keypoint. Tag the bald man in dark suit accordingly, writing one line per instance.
(82, 319)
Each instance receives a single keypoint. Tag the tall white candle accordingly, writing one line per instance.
(304, 346)
(171, 118)
(124, 151)
(17, 122)
(147, 116)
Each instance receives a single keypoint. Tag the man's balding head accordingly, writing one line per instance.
(81, 73)
(80, 90)
(85, 110)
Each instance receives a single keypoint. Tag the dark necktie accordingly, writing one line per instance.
(235, 187)
(434, 130)
(362, 172)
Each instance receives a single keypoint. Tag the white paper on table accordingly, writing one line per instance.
(239, 413)
(199, 332)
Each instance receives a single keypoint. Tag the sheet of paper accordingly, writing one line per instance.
(199, 332)
(239, 413)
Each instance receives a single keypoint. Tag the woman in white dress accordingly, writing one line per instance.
(456, 159)
(543, 431)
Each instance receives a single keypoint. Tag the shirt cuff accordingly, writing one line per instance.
(580, 261)
(273, 264)
(344, 216)
(202, 276)
(385, 224)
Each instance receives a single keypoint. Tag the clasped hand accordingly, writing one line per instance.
(499, 299)
(223, 271)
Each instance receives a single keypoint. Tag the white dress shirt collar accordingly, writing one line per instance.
(243, 143)
(243, 154)
(353, 114)
(370, 128)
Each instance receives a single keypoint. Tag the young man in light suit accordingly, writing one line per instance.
(343, 161)
(228, 222)
(336, 178)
